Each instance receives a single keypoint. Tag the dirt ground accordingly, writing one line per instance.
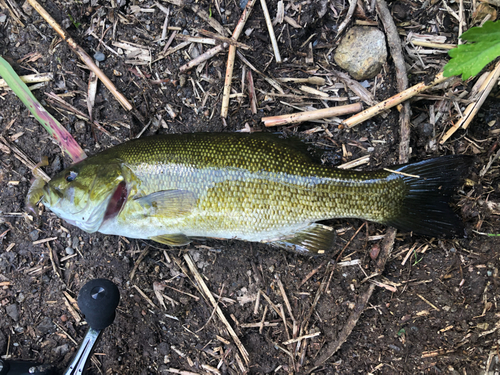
(434, 309)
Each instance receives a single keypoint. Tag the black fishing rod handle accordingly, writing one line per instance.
(98, 300)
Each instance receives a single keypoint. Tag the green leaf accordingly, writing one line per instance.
(469, 59)
(489, 32)
(75, 23)
(53, 127)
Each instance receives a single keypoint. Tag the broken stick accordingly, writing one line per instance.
(392, 101)
(295, 118)
(231, 55)
(82, 54)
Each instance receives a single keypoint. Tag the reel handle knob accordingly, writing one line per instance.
(98, 300)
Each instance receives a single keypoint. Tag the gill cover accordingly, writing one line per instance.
(86, 193)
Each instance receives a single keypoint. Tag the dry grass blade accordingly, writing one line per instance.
(350, 12)
(203, 57)
(82, 54)
(139, 260)
(15, 13)
(208, 294)
(231, 55)
(223, 39)
(270, 29)
(269, 80)
(53, 98)
(473, 108)
(209, 19)
(31, 78)
(21, 156)
(332, 347)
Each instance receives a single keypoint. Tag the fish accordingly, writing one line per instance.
(253, 187)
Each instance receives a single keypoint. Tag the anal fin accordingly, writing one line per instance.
(172, 239)
(316, 239)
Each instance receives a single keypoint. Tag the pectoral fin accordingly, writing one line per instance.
(172, 239)
(316, 239)
(168, 203)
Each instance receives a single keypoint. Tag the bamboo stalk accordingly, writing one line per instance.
(392, 101)
(82, 54)
(231, 55)
(295, 118)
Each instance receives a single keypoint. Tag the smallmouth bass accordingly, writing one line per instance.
(253, 187)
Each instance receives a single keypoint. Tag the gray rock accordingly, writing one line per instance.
(34, 235)
(12, 311)
(70, 251)
(20, 298)
(362, 52)
(45, 326)
(80, 127)
(99, 56)
(163, 348)
(61, 350)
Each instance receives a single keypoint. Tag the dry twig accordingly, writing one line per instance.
(473, 108)
(392, 101)
(401, 76)
(270, 28)
(204, 288)
(332, 347)
(295, 118)
(81, 54)
(231, 55)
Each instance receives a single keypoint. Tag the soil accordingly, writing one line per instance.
(434, 312)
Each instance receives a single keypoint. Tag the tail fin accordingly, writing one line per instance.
(425, 209)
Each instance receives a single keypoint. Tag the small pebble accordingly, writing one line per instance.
(362, 52)
(80, 127)
(34, 235)
(375, 250)
(13, 312)
(20, 298)
(70, 250)
(99, 56)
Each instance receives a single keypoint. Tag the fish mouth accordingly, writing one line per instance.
(88, 218)
(36, 193)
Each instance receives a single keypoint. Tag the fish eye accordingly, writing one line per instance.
(71, 176)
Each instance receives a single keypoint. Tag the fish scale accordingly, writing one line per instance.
(254, 187)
